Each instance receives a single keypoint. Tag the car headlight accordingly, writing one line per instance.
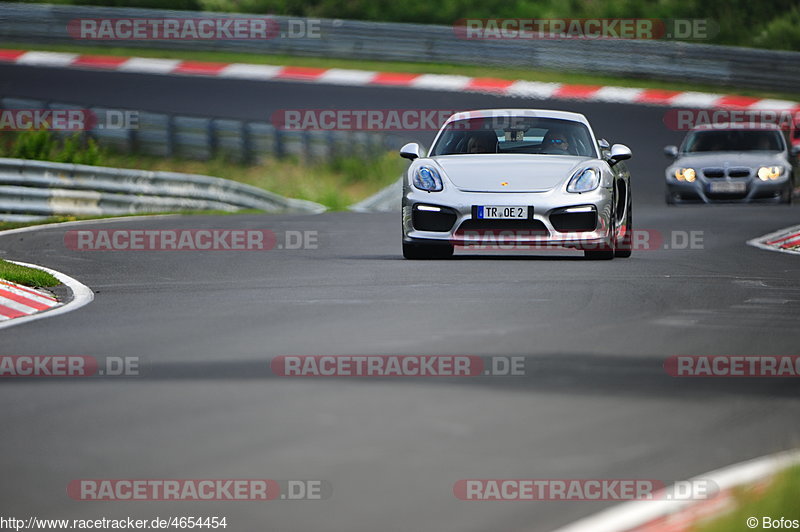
(765, 173)
(685, 174)
(427, 178)
(584, 180)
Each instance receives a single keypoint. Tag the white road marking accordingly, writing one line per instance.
(47, 58)
(149, 66)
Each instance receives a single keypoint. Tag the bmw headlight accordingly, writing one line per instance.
(427, 178)
(685, 174)
(584, 180)
(765, 173)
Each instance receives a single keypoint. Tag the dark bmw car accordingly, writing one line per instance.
(725, 163)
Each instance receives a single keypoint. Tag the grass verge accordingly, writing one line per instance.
(336, 184)
(390, 66)
(62, 219)
(26, 276)
(778, 500)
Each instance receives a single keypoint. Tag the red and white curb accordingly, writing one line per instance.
(17, 301)
(81, 294)
(369, 78)
(784, 240)
(683, 515)
(19, 304)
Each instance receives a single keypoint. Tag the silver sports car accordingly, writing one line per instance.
(730, 163)
(517, 177)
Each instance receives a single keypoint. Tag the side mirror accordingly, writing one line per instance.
(671, 151)
(619, 152)
(410, 151)
(796, 150)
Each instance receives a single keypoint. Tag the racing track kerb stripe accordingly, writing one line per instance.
(10, 313)
(7, 284)
(23, 300)
(779, 240)
(439, 82)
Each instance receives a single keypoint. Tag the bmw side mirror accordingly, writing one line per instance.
(619, 152)
(410, 151)
(671, 151)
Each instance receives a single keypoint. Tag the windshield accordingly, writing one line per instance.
(516, 134)
(733, 140)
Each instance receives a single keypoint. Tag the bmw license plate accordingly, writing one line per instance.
(727, 187)
(502, 212)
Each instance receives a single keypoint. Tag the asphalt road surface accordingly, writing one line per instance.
(595, 401)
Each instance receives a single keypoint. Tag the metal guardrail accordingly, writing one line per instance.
(190, 137)
(385, 200)
(665, 60)
(37, 188)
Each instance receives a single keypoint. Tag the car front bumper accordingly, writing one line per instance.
(555, 219)
(755, 191)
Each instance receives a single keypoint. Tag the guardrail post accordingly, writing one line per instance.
(132, 139)
(211, 132)
(279, 148)
(330, 139)
(307, 151)
(247, 143)
(170, 135)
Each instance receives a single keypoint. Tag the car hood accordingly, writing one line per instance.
(520, 173)
(721, 159)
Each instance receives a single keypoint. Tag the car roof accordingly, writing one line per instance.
(533, 113)
(737, 126)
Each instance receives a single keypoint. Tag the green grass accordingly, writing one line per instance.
(4, 226)
(26, 276)
(337, 184)
(43, 145)
(391, 66)
(64, 219)
(55, 219)
(781, 499)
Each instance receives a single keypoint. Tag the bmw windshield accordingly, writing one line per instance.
(733, 140)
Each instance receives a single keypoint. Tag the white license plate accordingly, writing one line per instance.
(502, 212)
(727, 187)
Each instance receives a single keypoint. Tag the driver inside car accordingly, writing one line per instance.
(482, 143)
(556, 143)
